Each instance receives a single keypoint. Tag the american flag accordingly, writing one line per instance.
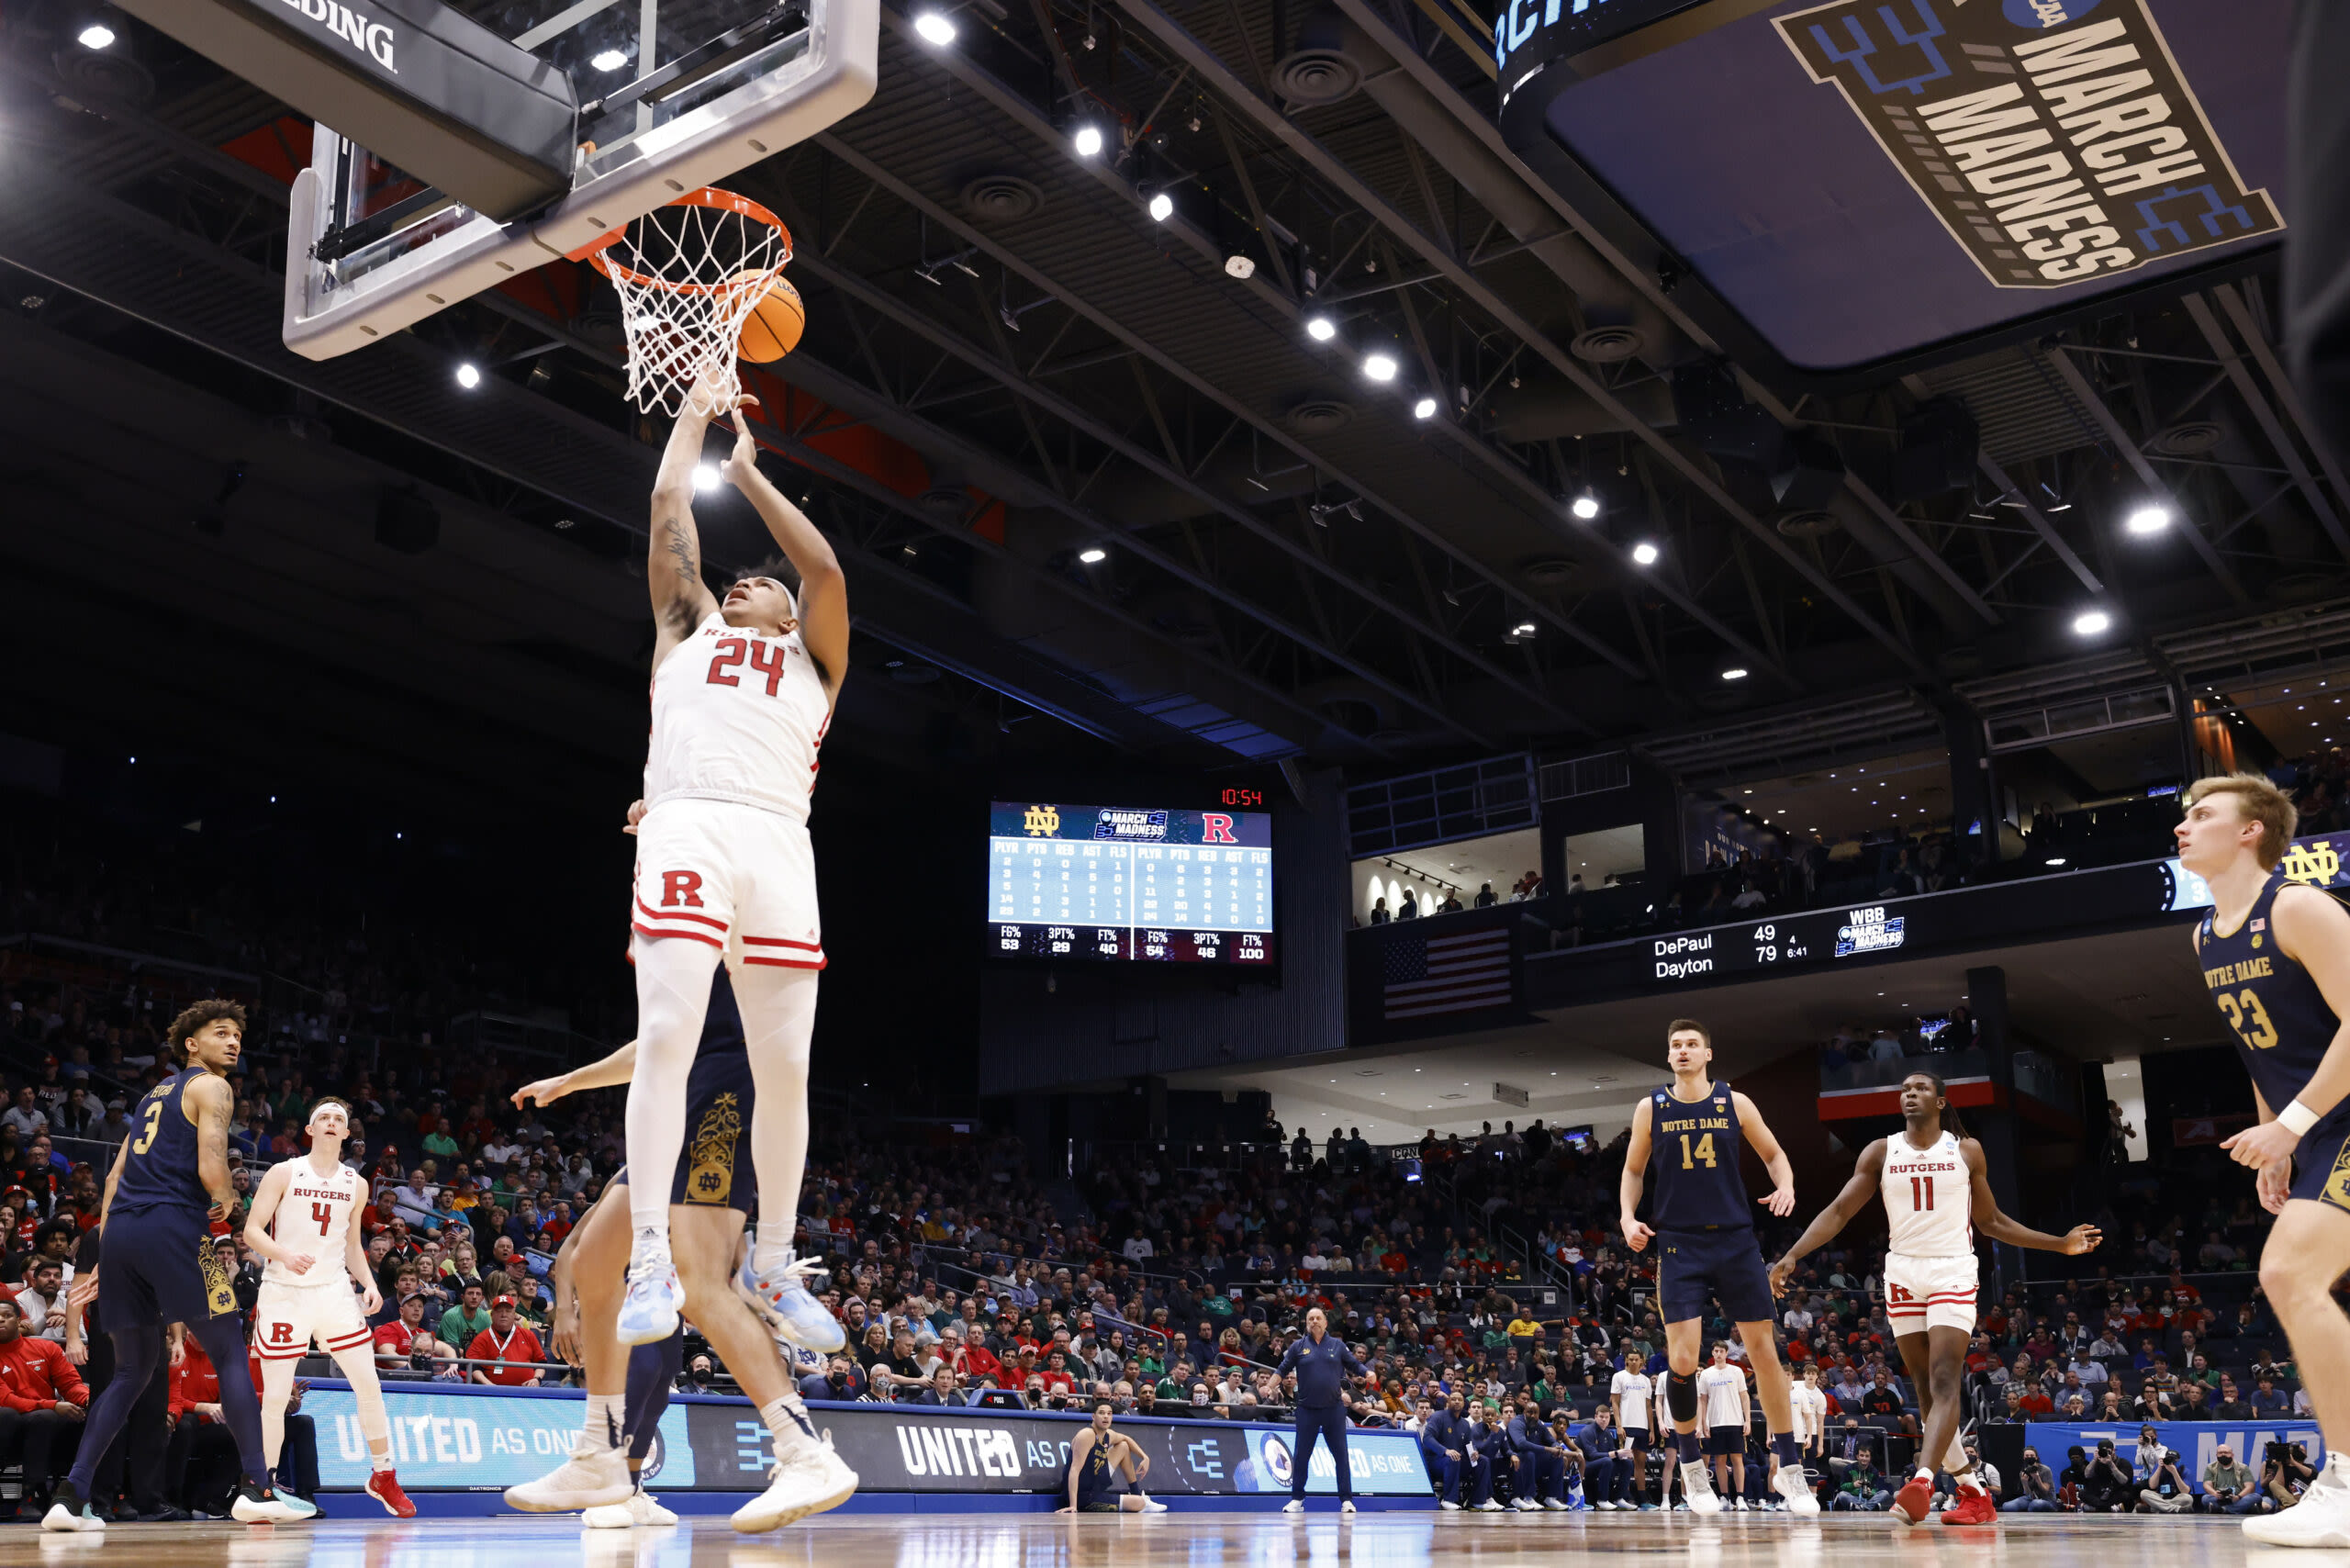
(1445, 974)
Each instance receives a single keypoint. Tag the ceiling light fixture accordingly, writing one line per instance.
(1380, 366)
(2090, 622)
(610, 60)
(2147, 519)
(1321, 328)
(1162, 207)
(97, 35)
(1736, 672)
(1088, 140)
(1644, 553)
(935, 29)
(1586, 506)
(469, 376)
(1425, 409)
(1094, 556)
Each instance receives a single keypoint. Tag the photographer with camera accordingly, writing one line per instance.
(2106, 1482)
(2286, 1473)
(2036, 1489)
(2230, 1487)
(2164, 1489)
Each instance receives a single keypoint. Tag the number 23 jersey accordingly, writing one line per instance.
(737, 717)
(2278, 1017)
(314, 1216)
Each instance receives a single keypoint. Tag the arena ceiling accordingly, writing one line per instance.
(1010, 365)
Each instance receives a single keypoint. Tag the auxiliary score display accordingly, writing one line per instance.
(1128, 883)
(1774, 944)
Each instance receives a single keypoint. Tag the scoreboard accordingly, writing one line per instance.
(1120, 883)
(1784, 942)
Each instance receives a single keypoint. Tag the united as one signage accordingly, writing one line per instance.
(2055, 140)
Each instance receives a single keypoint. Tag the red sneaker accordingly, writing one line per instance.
(1973, 1507)
(1914, 1502)
(383, 1485)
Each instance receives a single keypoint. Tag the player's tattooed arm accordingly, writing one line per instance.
(213, 1099)
(681, 601)
(1868, 1173)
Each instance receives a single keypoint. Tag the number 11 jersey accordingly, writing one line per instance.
(315, 1217)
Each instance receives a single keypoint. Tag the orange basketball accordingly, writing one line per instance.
(773, 328)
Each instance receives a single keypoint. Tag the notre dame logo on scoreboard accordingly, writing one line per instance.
(1040, 822)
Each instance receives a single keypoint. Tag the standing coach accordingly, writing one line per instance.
(1322, 1364)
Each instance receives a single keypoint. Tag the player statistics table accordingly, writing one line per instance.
(1121, 883)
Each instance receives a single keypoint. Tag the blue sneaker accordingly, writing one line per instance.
(780, 1293)
(648, 1313)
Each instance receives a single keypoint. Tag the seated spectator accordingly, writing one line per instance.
(2106, 1485)
(1861, 1491)
(2232, 1488)
(509, 1344)
(2035, 1487)
(42, 1404)
(406, 1342)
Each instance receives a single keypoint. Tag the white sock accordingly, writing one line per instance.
(1926, 1473)
(787, 1418)
(771, 1239)
(601, 1431)
(1971, 1481)
(380, 1462)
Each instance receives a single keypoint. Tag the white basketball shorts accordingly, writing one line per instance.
(738, 878)
(286, 1318)
(1930, 1292)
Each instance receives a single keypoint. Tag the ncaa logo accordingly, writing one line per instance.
(1275, 1454)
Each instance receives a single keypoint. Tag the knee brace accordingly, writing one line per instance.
(1681, 1395)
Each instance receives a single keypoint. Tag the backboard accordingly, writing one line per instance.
(674, 95)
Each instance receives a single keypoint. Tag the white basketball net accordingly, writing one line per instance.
(688, 275)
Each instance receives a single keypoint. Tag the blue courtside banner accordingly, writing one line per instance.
(2195, 1440)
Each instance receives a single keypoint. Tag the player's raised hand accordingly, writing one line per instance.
(744, 461)
(1635, 1235)
(2082, 1239)
(545, 1090)
(1782, 1202)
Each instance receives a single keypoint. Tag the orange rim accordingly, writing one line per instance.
(595, 252)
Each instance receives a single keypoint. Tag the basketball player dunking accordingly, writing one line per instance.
(170, 1181)
(1934, 1181)
(743, 691)
(307, 1291)
(1690, 1131)
(2276, 956)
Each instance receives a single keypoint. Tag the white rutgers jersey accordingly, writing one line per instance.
(1929, 1198)
(315, 1217)
(737, 717)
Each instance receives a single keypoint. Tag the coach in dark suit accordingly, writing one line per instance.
(1322, 1364)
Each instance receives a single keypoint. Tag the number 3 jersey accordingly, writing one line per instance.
(314, 1216)
(737, 717)
(1693, 1161)
(2279, 1018)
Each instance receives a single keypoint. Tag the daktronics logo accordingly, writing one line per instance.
(373, 39)
(959, 1448)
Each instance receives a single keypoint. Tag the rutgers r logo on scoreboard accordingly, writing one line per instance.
(1216, 827)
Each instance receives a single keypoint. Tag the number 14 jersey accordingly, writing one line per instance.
(315, 1217)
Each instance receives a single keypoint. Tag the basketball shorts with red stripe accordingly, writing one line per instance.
(737, 877)
(286, 1318)
(1930, 1292)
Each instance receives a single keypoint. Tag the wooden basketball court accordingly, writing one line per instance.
(1180, 1540)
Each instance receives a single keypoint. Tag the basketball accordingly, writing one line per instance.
(773, 329)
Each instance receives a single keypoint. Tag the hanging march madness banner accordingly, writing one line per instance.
(450, 1437)
(2055, 140)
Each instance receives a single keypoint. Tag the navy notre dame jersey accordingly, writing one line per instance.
(2279, 1018)
(1693, 1161)
(159, 1172)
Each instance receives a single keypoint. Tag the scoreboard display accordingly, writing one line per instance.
(1130, 883)
(1786, 942)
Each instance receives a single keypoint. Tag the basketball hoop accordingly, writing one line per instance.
(689, 275)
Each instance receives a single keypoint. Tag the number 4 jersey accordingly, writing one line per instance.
(314, 1216)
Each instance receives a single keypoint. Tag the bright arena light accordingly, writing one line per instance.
(1094, 556)
(705, 476)
(610, 60)
(1321, 328)
(1425, 409)
(1586, 506)
(2090, 622)
(1736, 672)
(1644, 553)
(2147, 519)
(97, 35)
(1162, 207)
(1380, 366)
(1088, 140)
(469, 376)
(936, 29)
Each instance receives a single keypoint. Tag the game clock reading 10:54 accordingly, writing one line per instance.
(1126, 883)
